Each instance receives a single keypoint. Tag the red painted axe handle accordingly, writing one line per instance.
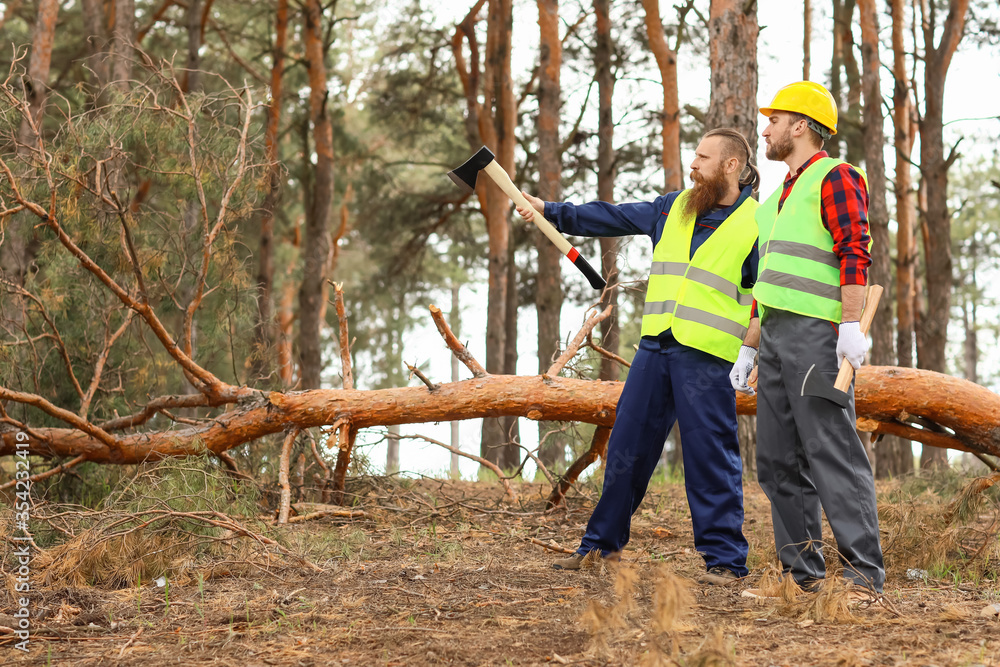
(500, 177)
(872, 298)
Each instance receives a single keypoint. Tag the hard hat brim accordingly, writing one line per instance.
(767, 111)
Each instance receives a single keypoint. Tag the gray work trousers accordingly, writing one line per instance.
(810, 457)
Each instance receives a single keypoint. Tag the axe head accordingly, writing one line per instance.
(816, 384)
(465, 176)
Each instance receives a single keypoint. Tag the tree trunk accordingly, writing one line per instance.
(891, 453)
(836, 71)
(732, 42)
(94, 23)
(392, 450)
(499, 94)
(603, 54)
(36, 84)
(895, 456)
(906, 250)
(549, 294)
(934, 165)
(733, 34)
(192, 76)
(850, 123)
(511, 429)
(264, 326)
(122, 43)
(806, 38)
(455, 322)
(19, 241)
(666, 62)
(316, 241)
(883, 396)
(747, 432)
(491, 123)
(971, 347)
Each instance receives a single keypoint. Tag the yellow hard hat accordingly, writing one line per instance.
(809, 98)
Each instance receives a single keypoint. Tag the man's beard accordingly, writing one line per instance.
(706, 193)
(779, 148)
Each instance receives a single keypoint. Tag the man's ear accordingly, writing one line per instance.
(799, 127)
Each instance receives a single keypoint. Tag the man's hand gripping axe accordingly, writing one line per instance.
(465, 177)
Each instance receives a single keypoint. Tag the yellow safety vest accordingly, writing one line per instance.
(799, 271)
(700, 298)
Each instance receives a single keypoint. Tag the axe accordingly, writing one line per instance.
(465, 177)
(815, 384)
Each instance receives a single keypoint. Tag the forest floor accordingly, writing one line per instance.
(445, 573)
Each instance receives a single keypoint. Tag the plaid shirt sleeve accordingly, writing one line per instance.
(845, 216)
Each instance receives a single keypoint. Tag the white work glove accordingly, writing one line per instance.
(852, 344)
(740, 375)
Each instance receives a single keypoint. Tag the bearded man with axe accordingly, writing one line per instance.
(698, 306)
(814, 258)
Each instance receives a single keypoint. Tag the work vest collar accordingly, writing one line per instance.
(790, 178)
(723, 214)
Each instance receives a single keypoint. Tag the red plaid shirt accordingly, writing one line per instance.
(844, 211)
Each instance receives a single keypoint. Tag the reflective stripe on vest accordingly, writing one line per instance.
(699, 298)
(705, 278)
(799, 271)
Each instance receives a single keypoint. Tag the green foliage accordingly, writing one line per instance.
(184, 485)
(159, 170)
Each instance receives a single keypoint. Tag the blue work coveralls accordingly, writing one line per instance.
(669, 382)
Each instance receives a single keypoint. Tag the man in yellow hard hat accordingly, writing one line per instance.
(814, 256)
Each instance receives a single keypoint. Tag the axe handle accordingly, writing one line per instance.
(846, 373)
(500, 177)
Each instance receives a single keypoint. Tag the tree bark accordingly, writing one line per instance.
(733, 34)
(971, 346)
(264, 326)
(19, 243)
(891, 453)
(491, 123)
(603, 55)
(836, 71)
(392, 450)
(549, 293)
(888, 399)
(806, 38)
(192, 75)
(666, 62)
(455, 322)
(895, 456)
(122, 43)
(94, 23)
(850, 125)
(511, 427)
(316, 241)
(36, 84)
(934, 165)
(733, 31)
(501, 110)
(906, 250)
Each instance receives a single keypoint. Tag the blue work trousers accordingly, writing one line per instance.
(663, 385)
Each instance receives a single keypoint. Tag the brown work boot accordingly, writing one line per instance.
(718, 576)
(579, 561)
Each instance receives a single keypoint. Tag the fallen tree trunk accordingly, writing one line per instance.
(929, 407)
